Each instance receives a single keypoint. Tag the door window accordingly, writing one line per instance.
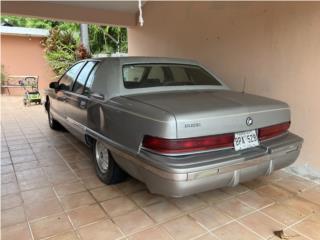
(90, 80)
(69, 77)
(78, 87)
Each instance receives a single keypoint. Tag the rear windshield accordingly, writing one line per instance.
(159, 75)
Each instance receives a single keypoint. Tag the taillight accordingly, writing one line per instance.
(274, 130)
(187, 145)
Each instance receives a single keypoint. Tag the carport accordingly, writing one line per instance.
(268, 48)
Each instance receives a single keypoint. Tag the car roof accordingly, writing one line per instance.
(141, 59)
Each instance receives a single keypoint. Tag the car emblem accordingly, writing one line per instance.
(249, 121)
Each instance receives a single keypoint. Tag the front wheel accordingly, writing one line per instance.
(54, 124)
(107, 169)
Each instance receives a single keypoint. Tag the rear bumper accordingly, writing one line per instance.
(181, 176)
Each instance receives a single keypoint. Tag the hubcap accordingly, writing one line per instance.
(102, 156)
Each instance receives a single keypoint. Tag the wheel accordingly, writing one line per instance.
(107, 169)
(54, 124)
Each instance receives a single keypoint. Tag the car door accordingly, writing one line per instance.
(77, 100)
(57, 105)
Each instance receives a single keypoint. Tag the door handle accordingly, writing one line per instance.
(83, 104)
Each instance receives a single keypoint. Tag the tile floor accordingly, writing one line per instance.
(49, 191)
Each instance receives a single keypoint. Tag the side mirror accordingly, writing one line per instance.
(54, 85)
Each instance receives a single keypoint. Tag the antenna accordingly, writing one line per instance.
(244, 85)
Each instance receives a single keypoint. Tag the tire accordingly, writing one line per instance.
(54, 124)
(107, 169)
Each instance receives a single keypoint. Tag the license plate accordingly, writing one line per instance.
(244, 140)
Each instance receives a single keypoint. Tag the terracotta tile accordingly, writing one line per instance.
(8, 178)
(188, 203)
(235, 208)
(9, 188)
(39, 182)
(235, 190)
(7, 169)
(44, 208)
(26, 165)
(133, 222)
(283, 213)
(303, 206)
(290, 234)
(69, 188)
(162, 211)
(105, 193)
(130, 186)
(65, 236)
(183, 228)
(76, 200)
(214, 196)
(235, 231)
(85, 173)
(79, 165)
(254, 200)
(211, 217)
(255, 183)
(30, 174)
(18, 232)
(261, 224)
(50, 226)
(152, 233)
(312, 195)
(12, 216)
(207, 236)
(62, 177)
(5, 161)
(38, 195)
(11, 201)
(85, 215)
(118, 206)
(273, 192)
(100, 231)
(21, 152)
(309, 227)
(92, 182)
(20, 159)
(144, 198)
(294, 184)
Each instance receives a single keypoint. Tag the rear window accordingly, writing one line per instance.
(159, 75)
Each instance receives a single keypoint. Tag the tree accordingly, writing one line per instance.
(102, 39)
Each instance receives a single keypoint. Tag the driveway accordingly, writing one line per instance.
(50, 191)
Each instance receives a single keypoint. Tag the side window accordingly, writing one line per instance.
(82, 77)
(90, 80)
(68, 78)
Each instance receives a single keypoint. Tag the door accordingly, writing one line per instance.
(57, 105)
(77, 100)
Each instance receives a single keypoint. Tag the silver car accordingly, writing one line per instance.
(171, 124)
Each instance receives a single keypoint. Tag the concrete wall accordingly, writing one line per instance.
(274, 46)
(25, 56)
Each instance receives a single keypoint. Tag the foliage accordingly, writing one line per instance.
(62, 46)
(3, 75)
(101, 38)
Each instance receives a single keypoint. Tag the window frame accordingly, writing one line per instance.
(75, 77)
(96, 65)
(85, 82)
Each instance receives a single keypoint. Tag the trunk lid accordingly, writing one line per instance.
(211, 112)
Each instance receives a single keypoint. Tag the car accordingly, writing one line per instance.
(170, 123)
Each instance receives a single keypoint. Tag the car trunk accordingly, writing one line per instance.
(212, 112)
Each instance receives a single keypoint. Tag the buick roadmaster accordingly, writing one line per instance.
(171, 124)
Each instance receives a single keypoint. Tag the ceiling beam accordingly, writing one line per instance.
(57, 11)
